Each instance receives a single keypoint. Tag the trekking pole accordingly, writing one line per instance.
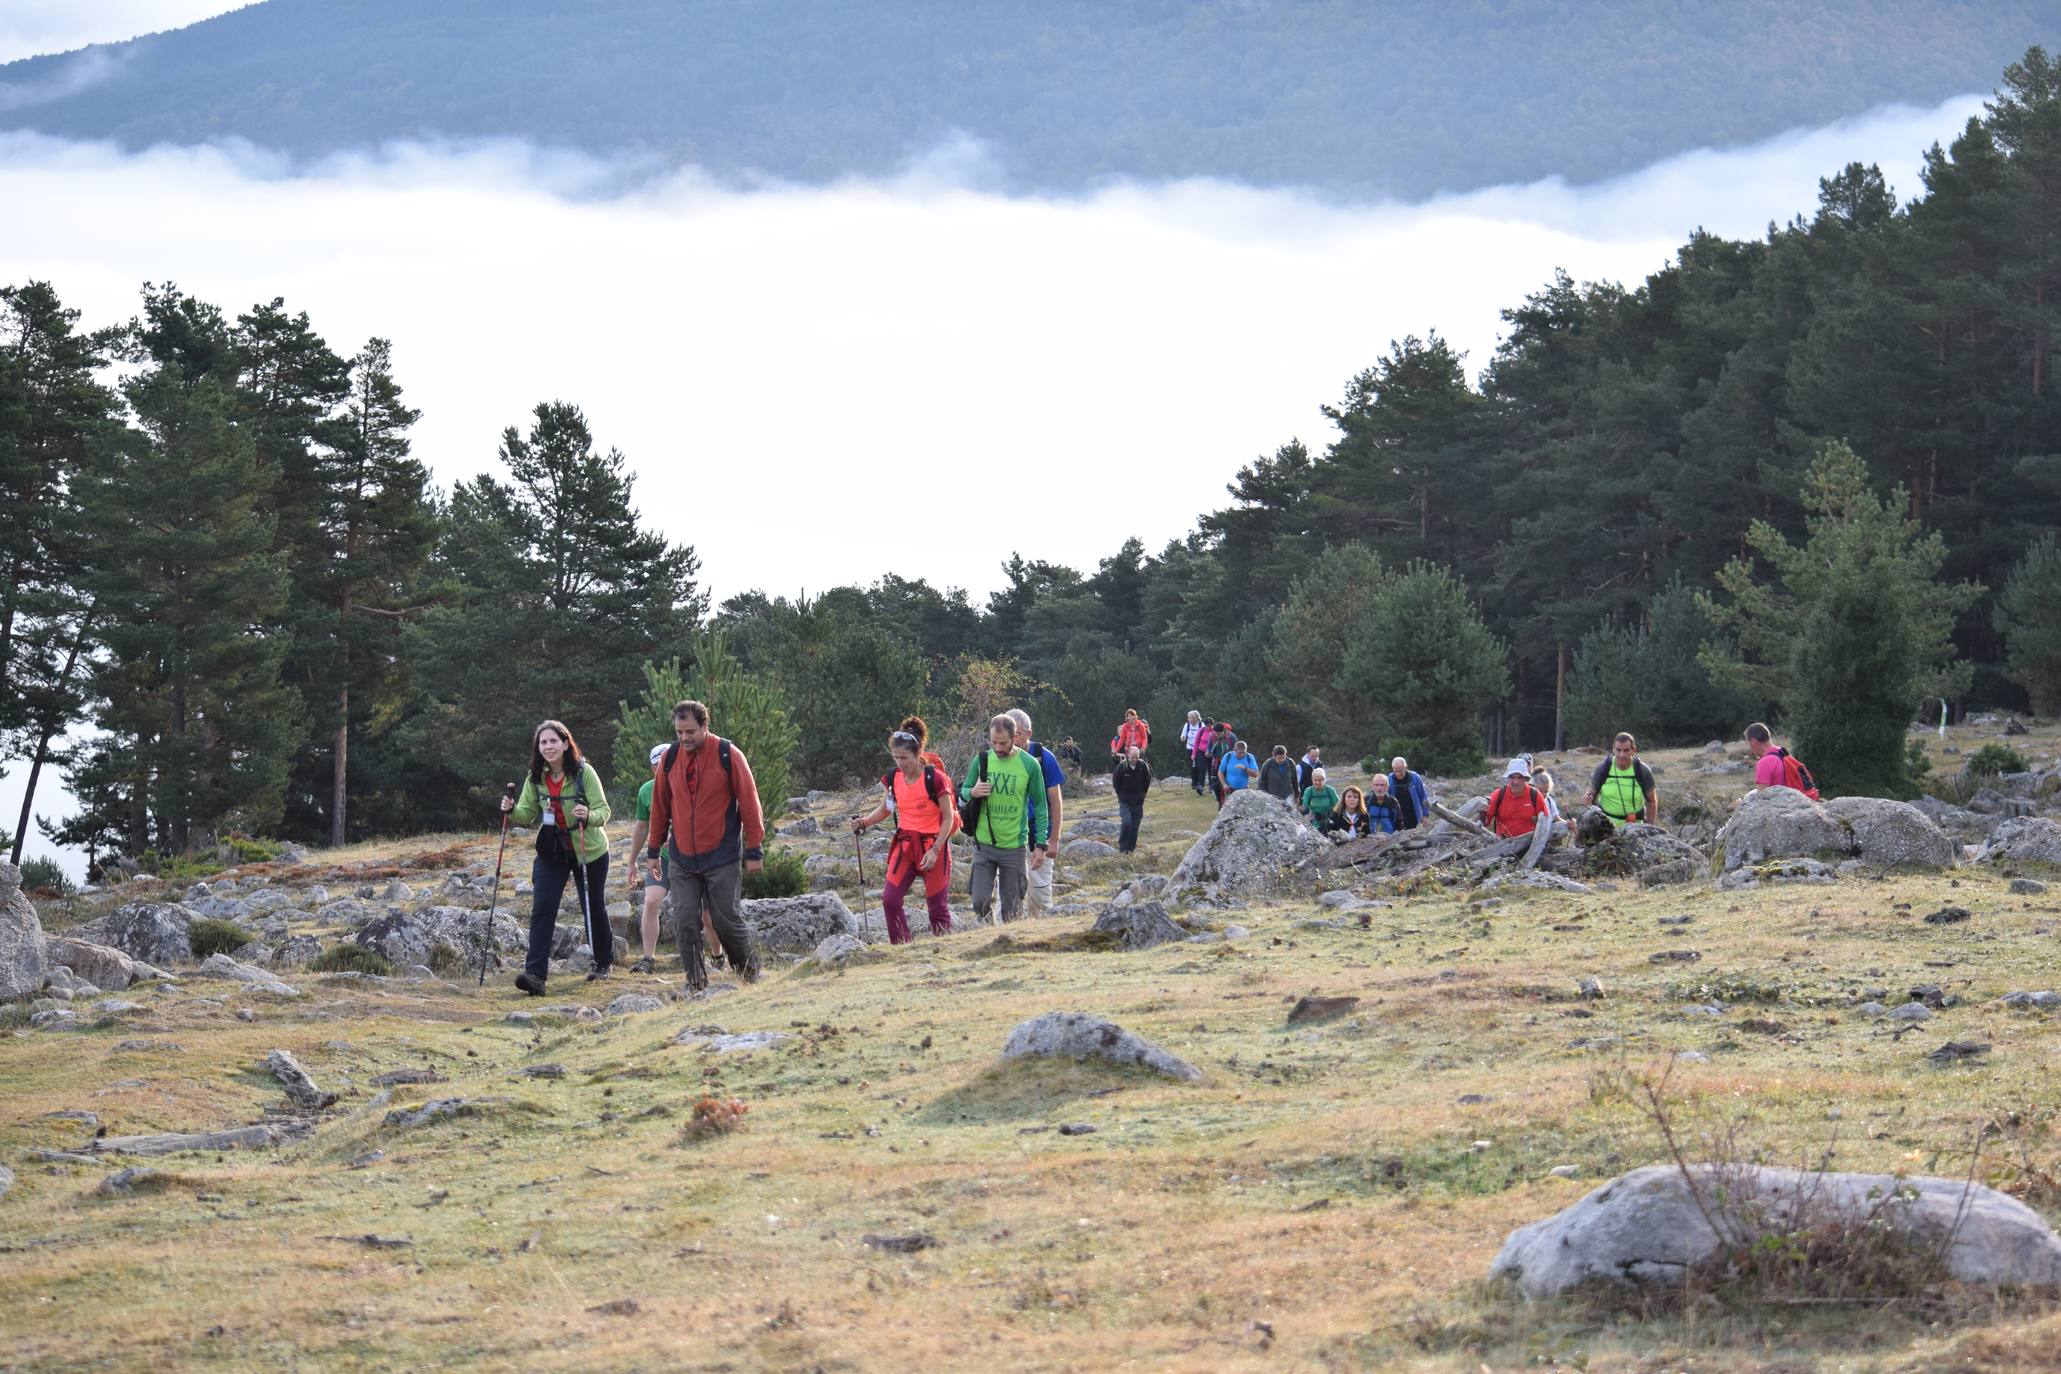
(859, 853)
(486, 935)
(580, 886)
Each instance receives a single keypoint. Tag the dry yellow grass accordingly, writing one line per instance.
(1321, 1202)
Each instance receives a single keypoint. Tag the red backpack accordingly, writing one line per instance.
(1493, 813)
(1795, 775)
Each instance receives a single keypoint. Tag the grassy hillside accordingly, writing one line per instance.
(1329, 1198)
(1405, 97)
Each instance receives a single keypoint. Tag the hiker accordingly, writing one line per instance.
(562, 797)
(913, 725)
(1038, 896)
(1312, 759)
(1069, 755)
(1775, 766)
(1319, 800)
(654, 893)
(918, 794)
(1352, 820)
(1002, 810)
(706, 804)
(1224, 742)
(1277, 777)
(1412, 799)
(1202, 759)
(1516, 808)
(1191, 730)
(1543, 780)
(1132, 780)
(1623, 786)
(1132, 731)
(1239, 770)
(1384, 806)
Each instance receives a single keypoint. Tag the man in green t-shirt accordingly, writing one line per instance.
(1624, 786)
(1002, 811)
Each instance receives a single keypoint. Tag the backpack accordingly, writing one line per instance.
(1795, 775)
(969, 815)
(931, 785)
(553, 841)
(1494, 810)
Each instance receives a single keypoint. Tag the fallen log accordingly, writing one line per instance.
(1540, 835)
(239, 1138)
(1456, 820)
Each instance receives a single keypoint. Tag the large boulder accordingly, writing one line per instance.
(2023, 839)
(1646, 1227)
(407, 937)
(104, 967)
(1782, 823)
(796, 925)
(1076, 1035)
(1892, 834)
(1253, 845)
(156, 932)
(1139, 925)
(1086, 850)
(222, 966)
(21, 938)
(1642, 851)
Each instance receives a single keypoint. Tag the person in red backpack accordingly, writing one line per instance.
(1776, 766)
(918, 794)
(1516, 808)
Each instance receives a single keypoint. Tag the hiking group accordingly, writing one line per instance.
(700, 826)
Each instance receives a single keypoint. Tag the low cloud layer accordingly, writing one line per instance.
(818, 385)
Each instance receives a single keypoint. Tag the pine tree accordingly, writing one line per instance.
(1430, 667)
(744, 708)
(2028, 616)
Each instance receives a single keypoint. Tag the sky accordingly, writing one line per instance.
(29, 28)
(917, 374)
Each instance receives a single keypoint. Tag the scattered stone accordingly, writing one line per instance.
(404, 1076)
(1911, 1011)
(1538, 878)
(1589, 989)
(222, 966)
(1648, 1227)
(1639, 850)
(436, 1109)
(1675, 956)
(1140, 925)
(123, 1182)
(1958, 1051)
(1947, 916)
(1252, 845)
(2041, 1000)
(544, 1071)
(2023, 839)
(1078, 1036)
(1237, 933)
(2028, 887)
(156, 932)
(55, 1018)
(372, 1241)
(633, 1004)
(838, 950)
(1087, 850)
(619, 1307)
(1871, 1009)
(414, 937)
(1692, 1057)
(1313, 1009)
(715, 1040)
(807, 828)
(22, 966)
(1564, 1171)
(903, 1245)
(300, 1088)
(238, 1138)
(1077, 1128)
(1341, 899)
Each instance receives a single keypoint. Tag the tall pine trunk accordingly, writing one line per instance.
(336, 785)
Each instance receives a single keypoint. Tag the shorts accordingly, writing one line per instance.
(664, 879)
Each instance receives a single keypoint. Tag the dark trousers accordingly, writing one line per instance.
(1132, 815)
(1198, 771)
(547, 883)
(717, 889)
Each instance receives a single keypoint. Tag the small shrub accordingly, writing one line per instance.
(352, 958)
(444, 960)
(785, 875)
(42, 875)
(1992, 759)
(210, 936)
(713, 1116)
(246, 850)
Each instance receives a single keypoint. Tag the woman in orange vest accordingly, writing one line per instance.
(918, 794)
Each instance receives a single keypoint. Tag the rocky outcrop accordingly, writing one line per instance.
(104, 967)
(1139, 925)
(1892, 834)
(1647, 1227)
(21, 938)
(2023, 839)
(796, 925)
(1254, 844)
(158, 933)
(413, 937)
(1641, 851)
(1782, 823)
(1076, 1035)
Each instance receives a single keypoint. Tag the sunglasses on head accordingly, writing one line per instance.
(902, 737)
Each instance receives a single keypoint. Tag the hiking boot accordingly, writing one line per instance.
(645, 965)
(750, 972)
(695, 967)
(533, 986)
(595, 975)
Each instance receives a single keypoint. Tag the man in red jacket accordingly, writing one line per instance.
(706, 806)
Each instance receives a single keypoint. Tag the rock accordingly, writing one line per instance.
(99, 965)
(633, 1004)
(155, 932)
(1314, 1009)
(1592, 826)
(216, 908)
(1947, 916)
(1551, 882)
(714, 1039)
(1075, 1035)
(835, 951)
(2041, 1000)
(251, 952)
(413, 937)
(397, 891)
(1564, 1171)
(1639, 849)
(1237, 933)
(2028, 887)
(1782, 823)
(436, 1109)
(1341, 899)
(115, 1006)
(1911, 1011)
(797, 805)
(347, 911)
(291, 854)
(1589, 989)
(222, 966)
(2023, 839)
(796, 925)
(1891, 834)
(1140, 925)
(54, 1018)
(1255, 842)
(1086, 850)
(298, 951)
(1958, 1051)
(403, 1076)
(301, 1091)
(807, 828)
(1647, 1227)
(1095, 828)
(22, 966)
(240, 1138)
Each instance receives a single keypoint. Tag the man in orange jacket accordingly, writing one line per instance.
(705, 804)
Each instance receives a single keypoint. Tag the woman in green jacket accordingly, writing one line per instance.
(1319, 801)
(562, 797)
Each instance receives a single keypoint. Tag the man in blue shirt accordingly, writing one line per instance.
(1240, 768)
(1039, 894)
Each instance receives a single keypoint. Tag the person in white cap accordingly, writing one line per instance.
(1516, 808)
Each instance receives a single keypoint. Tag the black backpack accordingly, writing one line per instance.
(553, 841)
(969, 814)
(932, 784)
